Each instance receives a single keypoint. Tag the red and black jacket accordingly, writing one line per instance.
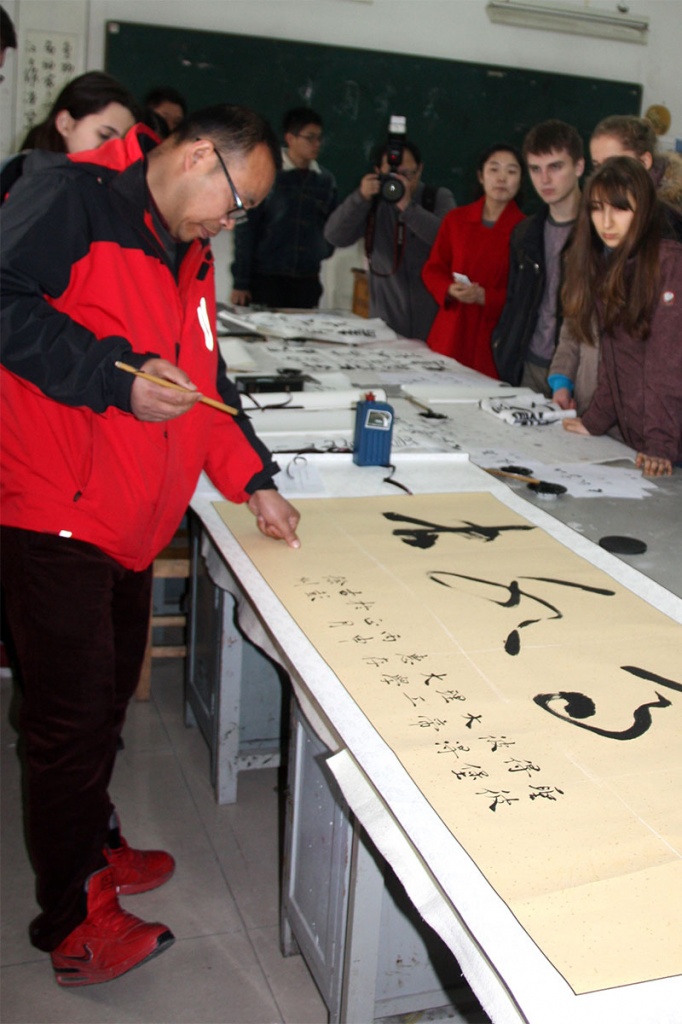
(87, 281)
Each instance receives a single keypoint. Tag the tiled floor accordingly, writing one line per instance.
(222, 903)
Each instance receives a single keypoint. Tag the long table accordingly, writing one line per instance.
(650, 514)
(371, 800)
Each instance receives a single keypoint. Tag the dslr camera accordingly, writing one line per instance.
(391, 187)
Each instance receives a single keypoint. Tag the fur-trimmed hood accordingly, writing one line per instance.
(667, 175)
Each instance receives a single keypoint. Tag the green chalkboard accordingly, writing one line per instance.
(454, 109)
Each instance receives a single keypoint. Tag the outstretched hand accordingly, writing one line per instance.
(275, 516)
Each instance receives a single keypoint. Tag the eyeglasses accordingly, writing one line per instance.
(239, 213)
(309, 137)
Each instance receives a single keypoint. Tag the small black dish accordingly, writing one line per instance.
(623, 545)
(547, 490)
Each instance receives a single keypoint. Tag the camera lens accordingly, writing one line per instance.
(392, 189)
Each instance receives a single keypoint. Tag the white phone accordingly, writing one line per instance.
(461, 278)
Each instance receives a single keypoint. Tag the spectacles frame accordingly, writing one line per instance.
(238, 215)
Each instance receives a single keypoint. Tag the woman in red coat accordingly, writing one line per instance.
(473, 244)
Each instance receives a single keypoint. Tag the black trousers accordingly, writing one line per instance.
(280, 292)
(79, 624)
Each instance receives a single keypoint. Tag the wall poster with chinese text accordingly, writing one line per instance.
(535, 701)
(49, 60)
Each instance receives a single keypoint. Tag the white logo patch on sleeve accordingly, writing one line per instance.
(202, 313)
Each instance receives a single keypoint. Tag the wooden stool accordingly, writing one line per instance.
(171, 563)
(360, 292)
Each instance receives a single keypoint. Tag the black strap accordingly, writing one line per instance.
(398, 241)
(429, 197)
(428, 202)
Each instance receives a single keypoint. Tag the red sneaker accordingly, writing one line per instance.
(109, 942)
(138, 870)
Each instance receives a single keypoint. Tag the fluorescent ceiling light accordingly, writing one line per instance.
(558, 17)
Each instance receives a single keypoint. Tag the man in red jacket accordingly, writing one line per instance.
(106, 258)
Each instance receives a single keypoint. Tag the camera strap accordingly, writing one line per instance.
(429, 195)
(398, 241)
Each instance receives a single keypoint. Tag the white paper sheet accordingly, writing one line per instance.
(236, 355)
(530, 410)
(308, 400)
(431, 395)
(347, 330)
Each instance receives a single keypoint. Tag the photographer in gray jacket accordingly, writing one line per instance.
(398, 237)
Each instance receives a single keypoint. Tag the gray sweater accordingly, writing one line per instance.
(400, 298)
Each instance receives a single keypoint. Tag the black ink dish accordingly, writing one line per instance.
(623, 545)
(546, 490)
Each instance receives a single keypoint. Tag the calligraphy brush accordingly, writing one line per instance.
(526, 479)
(176, 387)
(539, 486)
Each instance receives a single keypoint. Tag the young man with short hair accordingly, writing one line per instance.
(279, 249)
(526, 335)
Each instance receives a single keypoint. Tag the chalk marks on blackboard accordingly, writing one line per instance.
(431, 109)
(200, 65)
(349, 105)
(306, 92)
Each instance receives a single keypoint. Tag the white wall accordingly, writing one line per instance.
(68, 17)
(7, 90)
(456, 29)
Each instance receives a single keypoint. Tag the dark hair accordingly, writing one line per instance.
(622, 288)
(231, 128)
(554, 135)
(411, 147)
(165, 94)
(158, 124)
(84, 95)
(634, 133)
(499, 147)
(8, 33)
(297, 118)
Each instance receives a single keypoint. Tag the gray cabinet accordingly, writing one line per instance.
(343, 908)
(233, 692)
